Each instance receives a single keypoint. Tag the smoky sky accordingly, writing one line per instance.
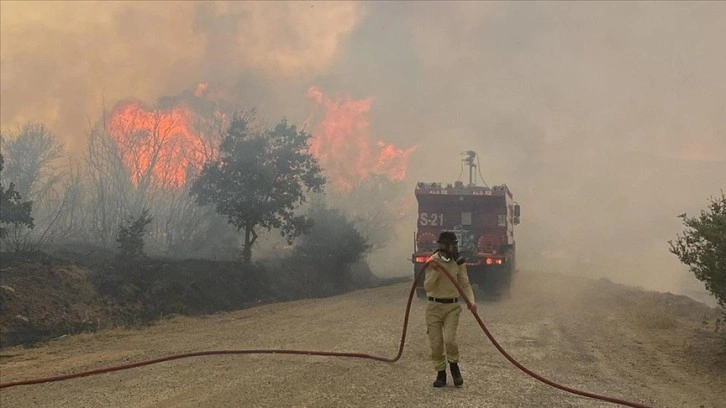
(605, 119)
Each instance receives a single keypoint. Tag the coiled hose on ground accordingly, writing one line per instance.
(341, 354)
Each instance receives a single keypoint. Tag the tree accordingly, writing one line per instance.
(333, 240)
(109, 188)
(32, 155)
(146, 157)
(258, 180)
(131, 236)
(13, 210)
(702, 247)
(33, 163)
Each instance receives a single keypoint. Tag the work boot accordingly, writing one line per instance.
(440, 379)
(456, 374)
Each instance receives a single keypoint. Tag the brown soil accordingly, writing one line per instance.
(47, 296)
(43, 299)
(654, 348)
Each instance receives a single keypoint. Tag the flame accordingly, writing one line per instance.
(341, 142)
(158, 145)
(162, 147)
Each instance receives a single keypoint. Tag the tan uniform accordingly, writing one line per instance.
(442, 319)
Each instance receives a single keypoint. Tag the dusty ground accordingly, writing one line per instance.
(609, 339)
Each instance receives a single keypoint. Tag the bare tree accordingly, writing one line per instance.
(35, 166)
(110, 187)
(32, 156)
(123, 169)
(72, 222)
(129, 163)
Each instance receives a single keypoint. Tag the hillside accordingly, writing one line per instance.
(45, 296)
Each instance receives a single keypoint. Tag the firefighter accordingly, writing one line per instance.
(443, 308)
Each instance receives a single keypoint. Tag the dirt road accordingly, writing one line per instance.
(596, 336)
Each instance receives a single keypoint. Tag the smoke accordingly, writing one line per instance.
(606, 120)
(61, 62)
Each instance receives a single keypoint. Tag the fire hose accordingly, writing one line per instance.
(341, 354)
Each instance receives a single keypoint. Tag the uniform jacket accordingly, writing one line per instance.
(439, 286)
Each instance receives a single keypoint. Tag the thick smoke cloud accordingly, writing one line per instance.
(60, 61)
(607, 120)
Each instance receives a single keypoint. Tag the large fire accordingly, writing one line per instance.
(342, 143)
(163, 147)
(158, 146)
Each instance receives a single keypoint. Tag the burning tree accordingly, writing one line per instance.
(259, 180)
(110, 187)
(145, 157)
(158, 146)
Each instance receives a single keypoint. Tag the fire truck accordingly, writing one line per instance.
(483, 219)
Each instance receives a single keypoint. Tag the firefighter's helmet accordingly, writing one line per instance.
(447, 237)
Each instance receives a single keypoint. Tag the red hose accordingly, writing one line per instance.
(518, 364)
(338, 354)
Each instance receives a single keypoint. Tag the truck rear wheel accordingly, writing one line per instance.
(493, 282)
